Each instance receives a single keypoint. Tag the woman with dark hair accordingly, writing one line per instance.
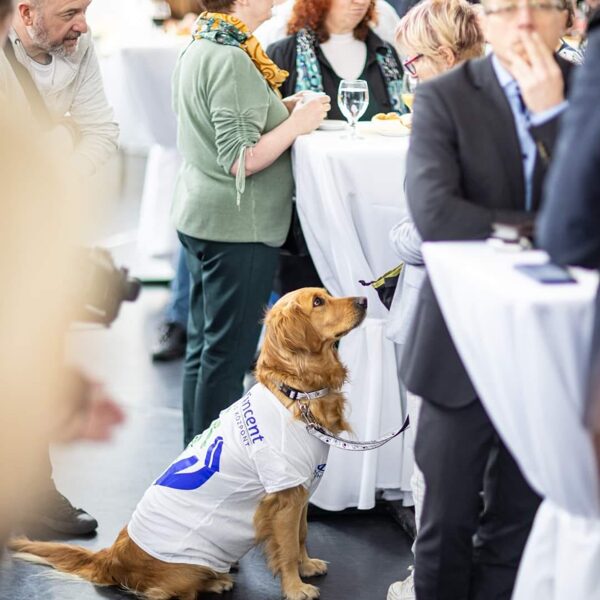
(233, 197)
(332, 40)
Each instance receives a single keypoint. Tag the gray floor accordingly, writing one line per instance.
(366, 551)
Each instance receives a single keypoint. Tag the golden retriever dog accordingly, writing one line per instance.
(299, 351)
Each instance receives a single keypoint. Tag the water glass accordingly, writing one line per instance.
(353, 100)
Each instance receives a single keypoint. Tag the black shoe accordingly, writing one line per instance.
(171, 344)
(58, 514)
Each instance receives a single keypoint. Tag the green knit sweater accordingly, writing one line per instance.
(223, 105)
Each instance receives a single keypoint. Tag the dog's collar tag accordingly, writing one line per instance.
(317, 430)
(294, 394)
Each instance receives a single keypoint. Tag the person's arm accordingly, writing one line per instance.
(270, 146)
(99, 134)
(406, 241)
(569, 223)
(434, 178)
(542, 86)
(239, 103)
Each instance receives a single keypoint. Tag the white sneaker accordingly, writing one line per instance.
(402, 590)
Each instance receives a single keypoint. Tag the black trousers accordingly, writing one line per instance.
(467, 549)
(230, 288)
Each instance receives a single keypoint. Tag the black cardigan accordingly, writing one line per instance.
(283, 54)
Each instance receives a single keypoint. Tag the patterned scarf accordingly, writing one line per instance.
(309, 72)
(230, 31)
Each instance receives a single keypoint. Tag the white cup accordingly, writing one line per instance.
(309, 95)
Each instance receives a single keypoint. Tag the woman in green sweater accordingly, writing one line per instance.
(233, 198)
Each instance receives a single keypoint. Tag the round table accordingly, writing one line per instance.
(349, 193)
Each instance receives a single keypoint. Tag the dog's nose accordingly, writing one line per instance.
(361, 302)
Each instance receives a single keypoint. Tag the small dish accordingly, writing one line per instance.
(391, 128)
(332, 125)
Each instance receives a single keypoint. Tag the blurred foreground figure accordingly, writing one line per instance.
(40, 399)
(49, 73)
(569, 226)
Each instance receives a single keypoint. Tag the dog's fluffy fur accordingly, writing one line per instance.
(299, 350)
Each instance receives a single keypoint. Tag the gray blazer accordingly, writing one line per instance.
(464, 172)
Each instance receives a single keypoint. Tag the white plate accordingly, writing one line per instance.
(333, 125)
(390, 128)
(395, 133)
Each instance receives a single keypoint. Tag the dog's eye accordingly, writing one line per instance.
(318, 301)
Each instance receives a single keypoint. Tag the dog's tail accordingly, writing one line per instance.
(91, 566)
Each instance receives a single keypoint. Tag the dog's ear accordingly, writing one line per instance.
(291, 329)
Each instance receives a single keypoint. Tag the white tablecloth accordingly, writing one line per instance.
(526, 346)
(349, 195)
(137, 79)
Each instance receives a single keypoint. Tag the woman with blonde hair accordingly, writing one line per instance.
(433, 37)
(436, 35)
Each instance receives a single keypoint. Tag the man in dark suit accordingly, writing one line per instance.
(569, 225)
(482, 137)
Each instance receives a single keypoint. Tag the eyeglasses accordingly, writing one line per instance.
(409, 64)
(512, 7)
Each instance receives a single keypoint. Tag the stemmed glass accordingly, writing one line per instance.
(353, 100)
(409, 85)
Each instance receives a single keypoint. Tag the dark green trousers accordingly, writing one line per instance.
(231, 284)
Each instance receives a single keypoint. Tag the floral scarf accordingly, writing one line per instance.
(230, 31)
(309, 72)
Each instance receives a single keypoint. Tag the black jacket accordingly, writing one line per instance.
(569, 224)
(464, 172)
(283, 54)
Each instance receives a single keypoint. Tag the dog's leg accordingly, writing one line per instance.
(277, 524)
(309, 567)
(221, 583)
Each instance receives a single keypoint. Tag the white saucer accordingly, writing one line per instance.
(332, 125)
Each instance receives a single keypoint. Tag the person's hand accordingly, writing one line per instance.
(308, 116)
(291, 101)
(92, 414)
(103, 414)
(537, 73)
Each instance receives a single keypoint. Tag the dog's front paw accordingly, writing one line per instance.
(224, 586)
(313, 567)
(220, 585)
(303, 591)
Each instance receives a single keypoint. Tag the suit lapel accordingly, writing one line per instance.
(501, 124)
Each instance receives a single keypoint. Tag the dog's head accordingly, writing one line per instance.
(302, 328)
(308, 319)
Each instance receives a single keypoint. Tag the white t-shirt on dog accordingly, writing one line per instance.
(201, 510)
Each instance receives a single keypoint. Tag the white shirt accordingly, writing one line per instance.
(345, 54)
(204, 516)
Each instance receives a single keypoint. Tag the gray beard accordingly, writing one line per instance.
(39, 37)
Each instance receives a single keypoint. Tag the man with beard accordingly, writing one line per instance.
(49, 69)
(51, 53)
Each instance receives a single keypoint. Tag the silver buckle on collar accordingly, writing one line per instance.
(298, 395)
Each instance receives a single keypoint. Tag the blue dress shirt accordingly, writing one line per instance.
(524, 119)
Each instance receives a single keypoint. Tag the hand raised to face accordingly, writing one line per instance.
(537, 73)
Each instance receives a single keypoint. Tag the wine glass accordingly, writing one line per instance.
(160, 11)
(409, 85)
(353, 99)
